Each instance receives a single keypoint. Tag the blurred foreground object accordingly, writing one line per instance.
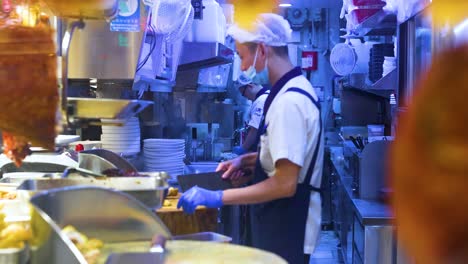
(430, 164)
(246, 11)
(29, 101)
(449, 11)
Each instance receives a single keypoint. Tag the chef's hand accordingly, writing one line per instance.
(239, 150)
(232, 168)
(196, 196)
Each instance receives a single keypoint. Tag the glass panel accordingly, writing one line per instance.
(423, 45)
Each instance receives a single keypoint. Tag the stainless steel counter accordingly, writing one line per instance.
(364, 226)
(370, 212)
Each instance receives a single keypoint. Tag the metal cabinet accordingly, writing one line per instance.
(344, 223)
(373, 244)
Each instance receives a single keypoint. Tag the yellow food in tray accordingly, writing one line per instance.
(172, 192)
(89, 247)
(13, 235)
(167, 203)
(7, 195)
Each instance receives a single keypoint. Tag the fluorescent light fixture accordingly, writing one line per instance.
(463, 26)
(285, 3)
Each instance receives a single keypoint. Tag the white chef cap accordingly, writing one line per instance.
(270, 29)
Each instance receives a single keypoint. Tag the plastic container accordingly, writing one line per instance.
(368, 3)
(359, 15)
(375, 130)
(209, 29)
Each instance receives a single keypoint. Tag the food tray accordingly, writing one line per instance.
(14, 255)
(148, 190)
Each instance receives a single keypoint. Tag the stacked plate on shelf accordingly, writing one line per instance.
(124, 140)
(377, 58)
(389, 65)
(164, 155)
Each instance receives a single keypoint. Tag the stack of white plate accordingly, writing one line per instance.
(124, 139)
(164, 155)
(389, 65)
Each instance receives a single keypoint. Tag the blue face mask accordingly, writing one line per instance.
(257, 77)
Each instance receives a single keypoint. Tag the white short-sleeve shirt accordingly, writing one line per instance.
(293, 126)
(256, 110)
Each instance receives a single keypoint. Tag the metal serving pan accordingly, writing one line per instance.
(148, 190)
(124, 226)
(14, 255)
(110, 216)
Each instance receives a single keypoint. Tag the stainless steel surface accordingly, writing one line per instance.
(148, 190)
(65, 52)
(98, 160)
(196, 55)
(110, 216)
(50, 245)
(378, 244)
(204, 236)
(33, 167)
(95, 109)
(81, 171)
(372, 169)
(387, 84)
(125, 258)
(14, 255)
(97, 52)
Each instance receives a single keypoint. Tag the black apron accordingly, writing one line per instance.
(279, 226)
(264, 90)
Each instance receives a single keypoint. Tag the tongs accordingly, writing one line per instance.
(358, 142)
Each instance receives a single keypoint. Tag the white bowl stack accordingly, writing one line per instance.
(124, 139)
(164, 155)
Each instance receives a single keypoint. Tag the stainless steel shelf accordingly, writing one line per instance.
(387, 82)
(91, 111)
(197, 55)
(384, 87)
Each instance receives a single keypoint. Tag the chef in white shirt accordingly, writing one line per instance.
(257, 94)
(284, 194)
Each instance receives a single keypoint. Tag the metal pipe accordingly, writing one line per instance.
(65, 48)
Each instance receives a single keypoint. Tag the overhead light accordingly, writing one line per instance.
(462, 27)
(285, 3)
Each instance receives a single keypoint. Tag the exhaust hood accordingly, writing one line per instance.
(197, 55)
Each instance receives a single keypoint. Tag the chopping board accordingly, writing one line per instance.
(210, 181)
(179, 223)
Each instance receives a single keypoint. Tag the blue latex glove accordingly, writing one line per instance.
(196, 196)
(239, 150)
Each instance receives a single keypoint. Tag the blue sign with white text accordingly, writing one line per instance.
(128, 19)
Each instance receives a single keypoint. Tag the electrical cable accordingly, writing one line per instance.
(153, 46)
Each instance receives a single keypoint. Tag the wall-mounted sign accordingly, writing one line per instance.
(128, 19)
